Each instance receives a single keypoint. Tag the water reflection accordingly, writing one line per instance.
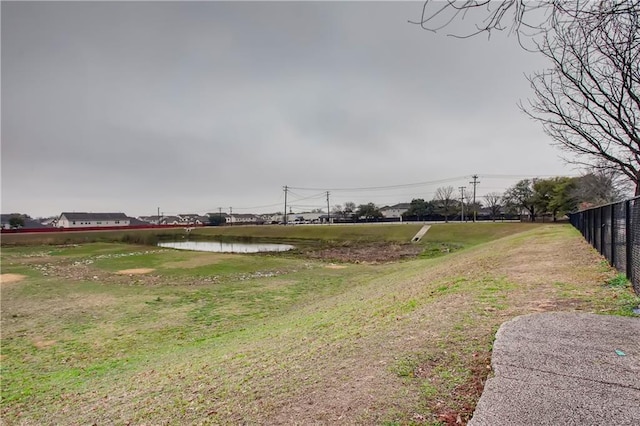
(220, 247)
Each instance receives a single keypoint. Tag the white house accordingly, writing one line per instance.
(86, 220)
(395, 211)
(193, 219)
(244, 219)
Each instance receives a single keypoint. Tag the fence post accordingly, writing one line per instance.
(592, 227)
(627, 209)
(603, 251)
(612, 215)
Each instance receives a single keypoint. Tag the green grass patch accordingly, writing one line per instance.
(619, 281)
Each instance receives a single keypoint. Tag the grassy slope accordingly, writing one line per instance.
(273, 339)
(466, 234)
(360, 232)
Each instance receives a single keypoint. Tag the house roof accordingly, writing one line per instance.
(133, 221)
(169, 219)
(94, 216)
(397, 206)
(245, 216)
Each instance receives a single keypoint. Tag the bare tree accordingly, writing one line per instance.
(600, 186)
(524, 18)
(445, 202)
(349, 207)
(337, 212)
(588, 100)
(494, 203)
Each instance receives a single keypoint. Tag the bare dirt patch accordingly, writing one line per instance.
(11, 278)
(366, 252)
(135, 271)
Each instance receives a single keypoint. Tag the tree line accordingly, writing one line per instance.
(534, 198)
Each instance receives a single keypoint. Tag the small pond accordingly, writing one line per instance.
(227, 247)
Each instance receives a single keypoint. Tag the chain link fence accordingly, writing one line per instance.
(614, 230)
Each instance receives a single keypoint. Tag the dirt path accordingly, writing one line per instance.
(135, 271)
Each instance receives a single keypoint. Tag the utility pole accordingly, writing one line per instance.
(158, 221)
(231, 216)
(474, 183)
(286, 189)
(328, 211)
(220, 214)
(461, 188)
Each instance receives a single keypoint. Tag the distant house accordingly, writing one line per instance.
(193, 219)
(244, 219)
(87, 220)
(28, 222)
(171, 220)
(273, 218)
(137, 222)
(49, 221)
(153, 220)
(396, 211)
(306, 217)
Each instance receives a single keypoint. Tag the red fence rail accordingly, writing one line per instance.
(93, 228)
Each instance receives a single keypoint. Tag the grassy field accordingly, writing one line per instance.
(359, 233)
(279, 339)
(451, 232)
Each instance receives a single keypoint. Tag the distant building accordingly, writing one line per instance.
(171, 220)
(306, 218)
(193, 219)
(88, 220)
(272, 218)
(396, 211)
(244, 219)
(28, 222)
(153, 220)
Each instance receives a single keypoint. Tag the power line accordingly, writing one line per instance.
(386, 193)
(529, 176)
(377, 188)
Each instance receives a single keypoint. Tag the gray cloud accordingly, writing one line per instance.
(125, 106)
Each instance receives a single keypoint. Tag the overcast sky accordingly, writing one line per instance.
(131, 106)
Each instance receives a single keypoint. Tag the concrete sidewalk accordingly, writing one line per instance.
(563, 369)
